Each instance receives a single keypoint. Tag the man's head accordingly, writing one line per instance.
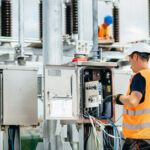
(138, 55)
(108, 20)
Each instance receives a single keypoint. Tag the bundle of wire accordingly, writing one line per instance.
(107, 141)
(102, 127)
(116, 135)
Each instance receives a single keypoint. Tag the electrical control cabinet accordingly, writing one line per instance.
(75, 90)
(18, 95)
(99, 81)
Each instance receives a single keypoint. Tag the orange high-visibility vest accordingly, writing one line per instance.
(104, 32)
(136, 121)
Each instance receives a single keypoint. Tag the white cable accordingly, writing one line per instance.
(108, 133)
(94, 130)
(101, 125)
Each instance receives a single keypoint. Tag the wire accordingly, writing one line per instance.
(105, 117)
(119, 138)
(102, 126)
(94, 131)
(118, 118)
(115, 137)
(88, 130)
(116, 127)
(108, 143)
(107, 98)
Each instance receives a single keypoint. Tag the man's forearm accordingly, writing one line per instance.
(125, 100)
(130, 100)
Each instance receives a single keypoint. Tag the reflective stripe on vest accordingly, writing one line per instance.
(136, 112)
(136, 127)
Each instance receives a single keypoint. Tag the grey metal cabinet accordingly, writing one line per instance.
(18, 95)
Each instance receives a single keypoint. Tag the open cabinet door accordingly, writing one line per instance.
(60, 93)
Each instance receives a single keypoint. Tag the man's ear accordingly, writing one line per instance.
(136, 56)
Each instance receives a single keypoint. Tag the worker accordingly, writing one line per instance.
(136, 104)
(104, 31)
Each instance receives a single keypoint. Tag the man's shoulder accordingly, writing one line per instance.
(138, 78)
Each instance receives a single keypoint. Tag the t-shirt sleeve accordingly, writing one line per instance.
(138, 84)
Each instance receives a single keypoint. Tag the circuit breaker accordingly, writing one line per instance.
(18, 95)
(75, 90)
(92, 96)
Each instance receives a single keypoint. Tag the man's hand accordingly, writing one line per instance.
(117, 99)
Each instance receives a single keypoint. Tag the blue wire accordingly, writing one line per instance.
(12, 144)
(105, 117)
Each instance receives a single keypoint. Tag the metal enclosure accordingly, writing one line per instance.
(63, 89)
(18, 95)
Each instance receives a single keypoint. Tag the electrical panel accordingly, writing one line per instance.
(18, 95)
(96, 87)
(79, 89)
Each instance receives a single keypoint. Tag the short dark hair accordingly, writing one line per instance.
(144, 56)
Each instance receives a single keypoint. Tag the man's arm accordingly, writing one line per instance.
(131, 100)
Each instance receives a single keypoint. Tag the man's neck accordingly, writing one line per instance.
(143, 67)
